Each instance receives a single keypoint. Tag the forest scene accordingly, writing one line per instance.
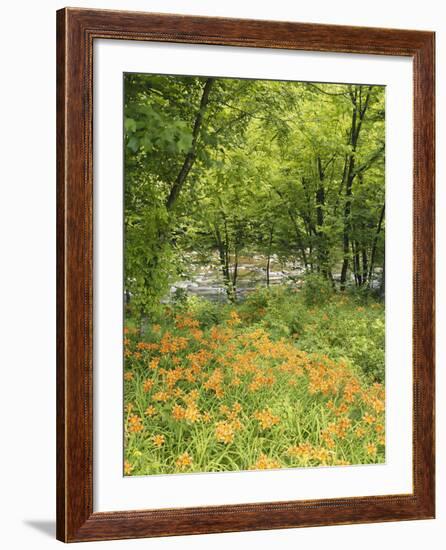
(254, 274)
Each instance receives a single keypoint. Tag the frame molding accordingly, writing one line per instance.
(76, 31)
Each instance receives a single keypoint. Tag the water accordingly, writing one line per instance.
(206, 281)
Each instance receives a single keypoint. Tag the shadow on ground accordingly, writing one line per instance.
(47, 527)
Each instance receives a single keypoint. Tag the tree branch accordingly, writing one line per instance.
(191, 155)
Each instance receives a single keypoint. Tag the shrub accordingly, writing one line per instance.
(286, 315)
(316, 289)
(256, 304)
(206, 312)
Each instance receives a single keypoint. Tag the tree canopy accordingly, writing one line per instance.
(222, 166)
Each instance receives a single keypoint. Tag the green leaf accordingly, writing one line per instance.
(129, 125)
(133, 144)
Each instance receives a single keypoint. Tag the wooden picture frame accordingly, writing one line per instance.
(76, 31)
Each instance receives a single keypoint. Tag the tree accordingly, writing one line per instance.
(230, 167)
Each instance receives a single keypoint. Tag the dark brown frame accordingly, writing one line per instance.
(76, 31)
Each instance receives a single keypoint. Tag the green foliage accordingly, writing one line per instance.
(256, 305)
(339, 326)
(316, 289)
(233, 167)
(366, 343)
(208, 313)
(270, 307)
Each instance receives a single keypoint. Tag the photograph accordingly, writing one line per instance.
(254, 274)
(224, 255)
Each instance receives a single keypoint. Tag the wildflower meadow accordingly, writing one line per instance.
(223, 388)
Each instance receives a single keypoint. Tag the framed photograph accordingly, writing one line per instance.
(245, 275)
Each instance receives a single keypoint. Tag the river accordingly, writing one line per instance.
(206, 280)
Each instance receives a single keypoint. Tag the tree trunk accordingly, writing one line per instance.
(300, 243)
(230, 286)
(364, 265)
(235, 273)
(358, 114)
(268, 260)
(347, 213)
(191, 155)
(164, 232)
(382, 289)
(357, 263)
(323, 252)
(222, 248)
(375, 242)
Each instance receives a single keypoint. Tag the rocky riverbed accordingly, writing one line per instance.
(206, 280)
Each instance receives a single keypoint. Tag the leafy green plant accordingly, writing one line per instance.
(316, 289)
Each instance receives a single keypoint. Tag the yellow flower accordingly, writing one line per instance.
(178, 392)
(371, 449)
(261, 380)
(178, 412)
(329, 441)
(150, 411)
(183, 461)
(322, 455)
(225, 410)
(158, 440)
(161, 396)
(148, 385)
(224, 432)
(196, 334)
(330, 405)
(128, 376)
(236, 424)
(302, 451)
(127, 468)
(173, 376)
(342, 426)
(341, 462)
(192, 414)
(234, 319)
(360, 432)
(266, 419)
(343, 408)
(265, 463)
(186, 322)
(368, 418)
(135, 423)
(378, 405)
(192, 397)
(214, 382)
